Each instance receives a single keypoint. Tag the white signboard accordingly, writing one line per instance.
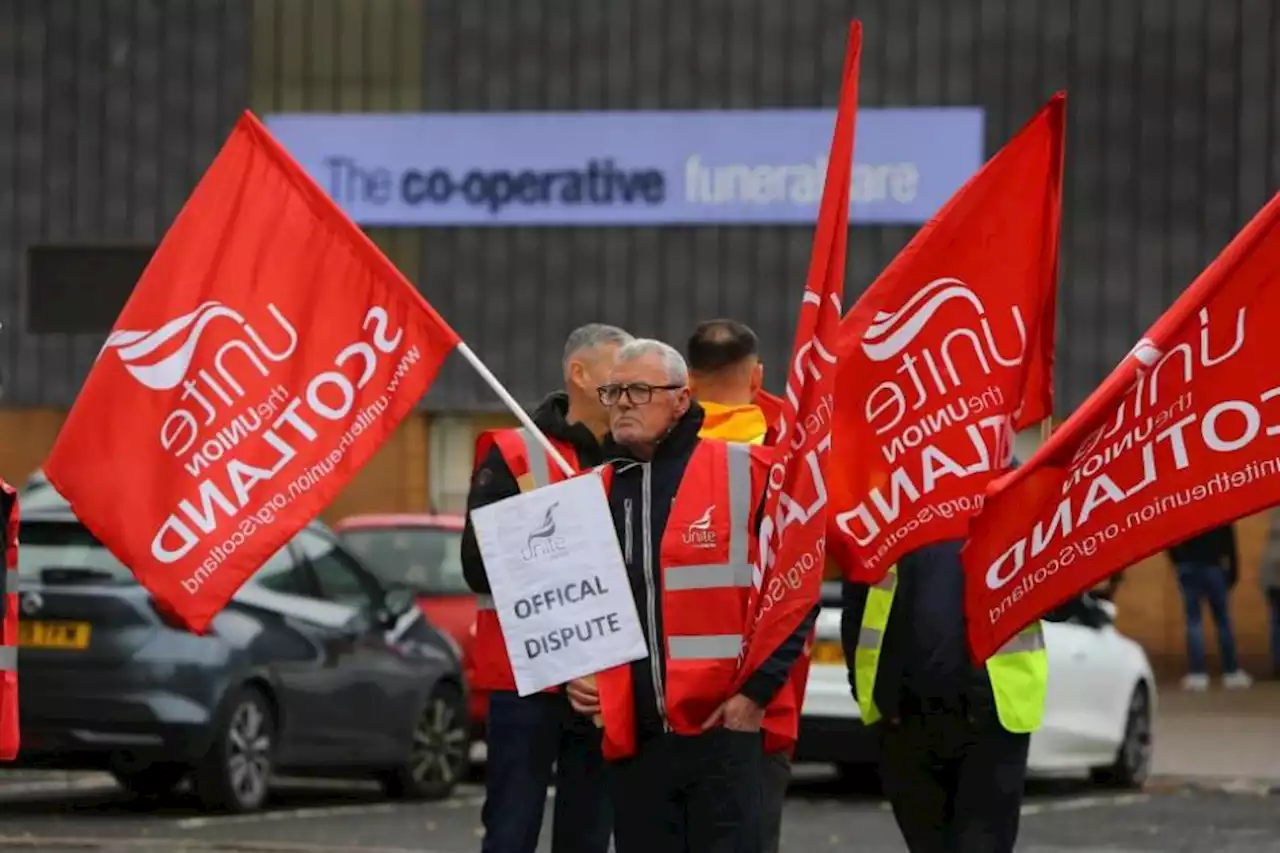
(559, 584)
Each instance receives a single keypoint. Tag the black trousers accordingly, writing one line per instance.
(955, 780)
(697, 794)
(532, 741)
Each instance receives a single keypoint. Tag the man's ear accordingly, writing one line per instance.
(578, 374)
(757, 378)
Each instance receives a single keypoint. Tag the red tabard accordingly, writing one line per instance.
(532, 467)
(9, 632)
(704, 566)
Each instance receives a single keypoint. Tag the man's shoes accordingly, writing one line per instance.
(1197, 682)
(1238, 680)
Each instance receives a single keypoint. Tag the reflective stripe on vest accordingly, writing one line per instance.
(539, 475)
(735, 574)
(1019, 671)
(489, 650)
(537, 456)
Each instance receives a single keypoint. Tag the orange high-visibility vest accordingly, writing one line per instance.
(531, 466)
(703, 574)
(9, 731)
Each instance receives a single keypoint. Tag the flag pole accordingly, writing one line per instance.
(516, 409)
(527, 422)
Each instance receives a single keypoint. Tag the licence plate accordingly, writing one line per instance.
(53, 635)
(828, 651)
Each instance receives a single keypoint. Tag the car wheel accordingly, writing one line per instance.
(153, 781)
(439, 757)
(237, 769)
(1133, 758)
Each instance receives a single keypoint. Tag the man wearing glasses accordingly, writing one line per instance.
(529, 736)
(686, 755)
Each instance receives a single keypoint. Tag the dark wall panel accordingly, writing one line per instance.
(113, 108)
(1172, 146)
(110, 110)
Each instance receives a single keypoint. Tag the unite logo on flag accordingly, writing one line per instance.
(946, 356)
(1182, 437)
(949, 374)
(265, 354)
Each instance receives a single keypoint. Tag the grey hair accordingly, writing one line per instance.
(672, 360)
(591, 336)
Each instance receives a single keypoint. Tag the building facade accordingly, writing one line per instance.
(114, 108)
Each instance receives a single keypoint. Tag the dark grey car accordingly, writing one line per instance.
(314, 668)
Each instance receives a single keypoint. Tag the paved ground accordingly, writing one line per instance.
(1219, 734)
(81, 812)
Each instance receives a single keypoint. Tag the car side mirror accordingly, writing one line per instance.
(1108, 610)
(396, 603)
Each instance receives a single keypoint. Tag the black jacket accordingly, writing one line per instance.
(1215, 547)
(664, 473)
(930, 663)
(493, 480)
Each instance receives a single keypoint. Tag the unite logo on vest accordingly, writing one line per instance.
(699, 533)
(543, 541)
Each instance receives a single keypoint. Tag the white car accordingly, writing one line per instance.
(1098, 713)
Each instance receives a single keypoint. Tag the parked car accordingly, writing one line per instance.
(423, 553)
(1098, 715)
(315, 668)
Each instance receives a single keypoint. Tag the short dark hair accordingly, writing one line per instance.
(716, 345)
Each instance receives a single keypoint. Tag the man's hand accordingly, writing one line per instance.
(583, 696)
(738, 714)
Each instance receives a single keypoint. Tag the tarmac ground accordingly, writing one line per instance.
(86, 813)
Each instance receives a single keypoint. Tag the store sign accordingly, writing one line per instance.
(760, 167)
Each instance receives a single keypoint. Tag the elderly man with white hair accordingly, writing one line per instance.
(685, 752)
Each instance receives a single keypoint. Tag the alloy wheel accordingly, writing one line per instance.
(440, 745)
(249, 753)
(1137, 748)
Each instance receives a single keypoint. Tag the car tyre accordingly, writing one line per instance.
(1133, 758)
(439, 757)
(234, 775)
(156, 780)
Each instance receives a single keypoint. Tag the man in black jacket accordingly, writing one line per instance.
(951, 769)
(529, 736)
(694, 793)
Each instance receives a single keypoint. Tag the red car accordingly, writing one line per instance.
(423, 552)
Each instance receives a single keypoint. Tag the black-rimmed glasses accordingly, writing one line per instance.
(639, 393)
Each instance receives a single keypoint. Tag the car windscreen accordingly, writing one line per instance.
(426, 558)
(68, 549)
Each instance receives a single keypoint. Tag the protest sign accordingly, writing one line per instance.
(559, 585)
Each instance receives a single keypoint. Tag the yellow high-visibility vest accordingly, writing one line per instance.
(1019, 671)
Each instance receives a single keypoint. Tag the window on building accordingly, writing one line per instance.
(80, 290)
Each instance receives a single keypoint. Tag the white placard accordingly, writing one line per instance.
(559, 584)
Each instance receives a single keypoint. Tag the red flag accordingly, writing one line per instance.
(946, 354)
(1183, 436)
(771, 407)
(267, 351)
(788, 572)
(10, 731)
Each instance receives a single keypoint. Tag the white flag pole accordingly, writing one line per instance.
(516, 409)
(527, 422)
